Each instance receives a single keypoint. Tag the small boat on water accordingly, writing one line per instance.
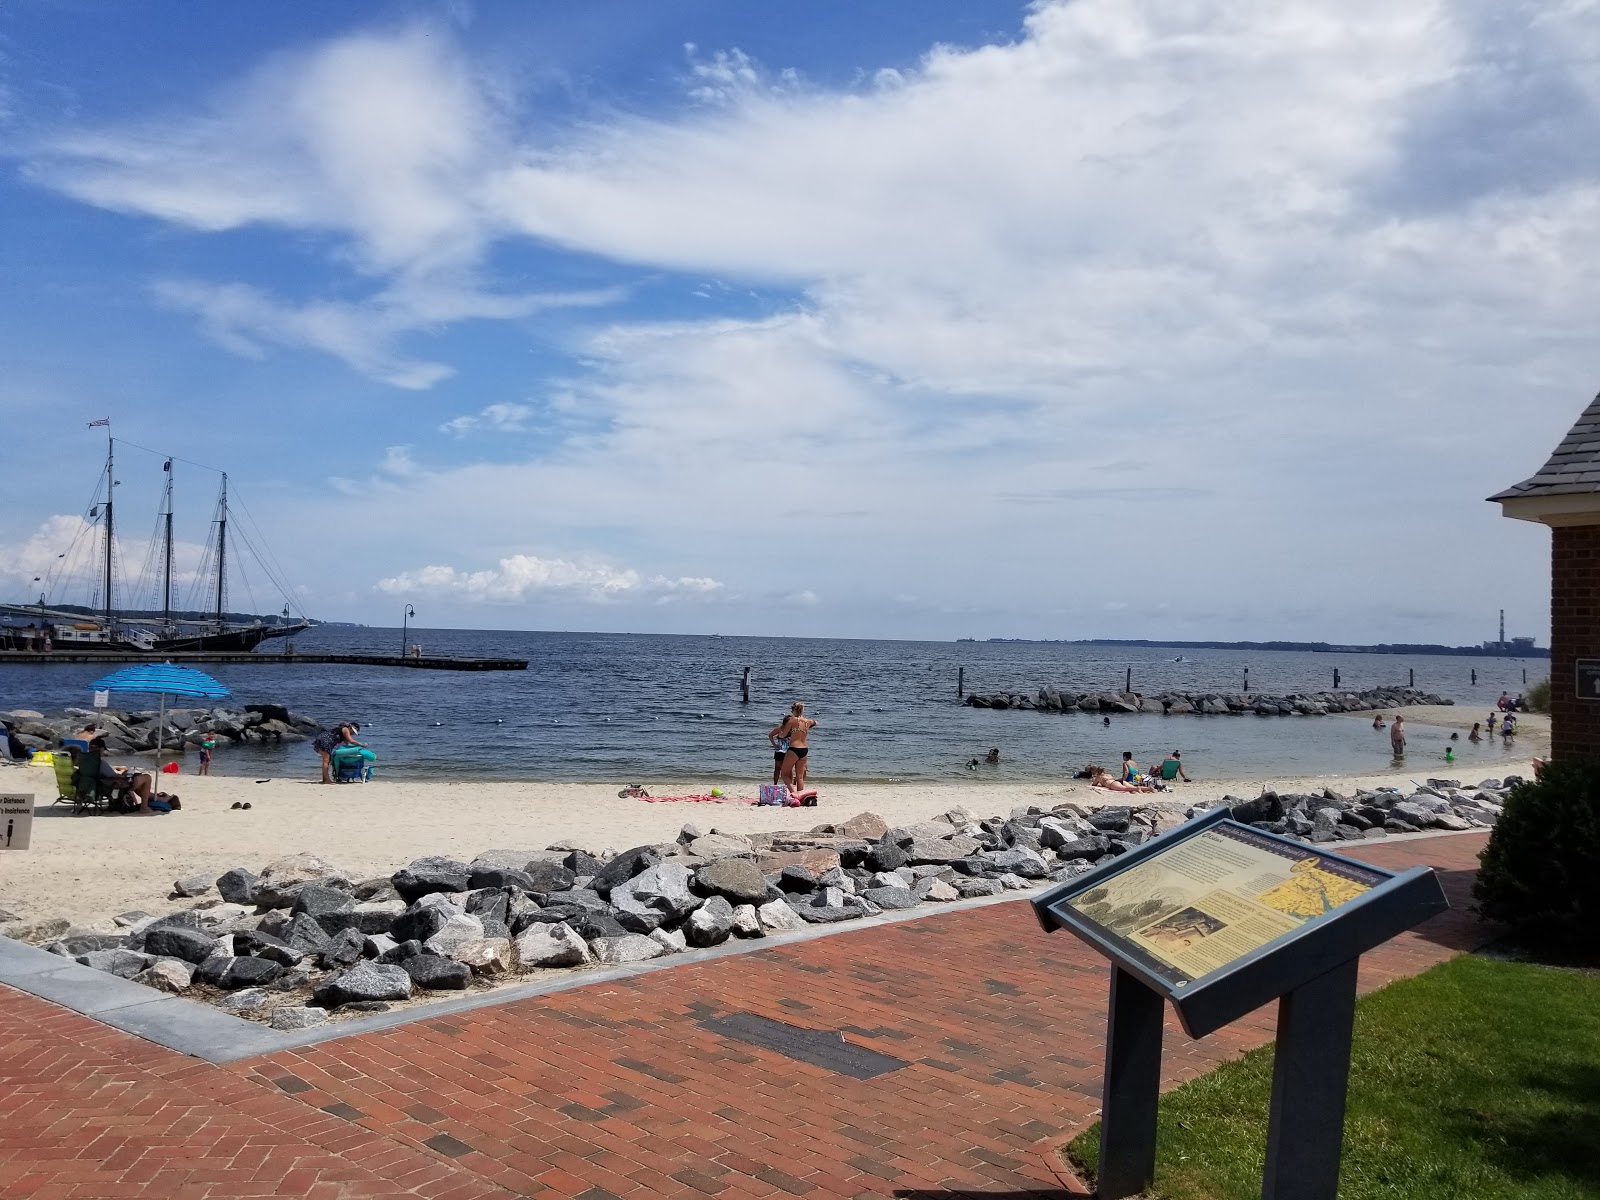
(88, 614)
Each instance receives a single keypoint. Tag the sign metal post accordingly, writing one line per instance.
(1132, 1088)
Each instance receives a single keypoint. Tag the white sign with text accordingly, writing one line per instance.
(16, 821)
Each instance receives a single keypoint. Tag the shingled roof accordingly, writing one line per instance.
(1574, 468)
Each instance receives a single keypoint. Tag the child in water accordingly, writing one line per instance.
(1449, 754)
(206, 747)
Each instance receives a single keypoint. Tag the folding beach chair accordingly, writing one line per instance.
(88, 791)
(351, 764)
(1169, 770)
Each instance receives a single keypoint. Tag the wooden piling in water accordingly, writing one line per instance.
(961, 682)
(744, 687)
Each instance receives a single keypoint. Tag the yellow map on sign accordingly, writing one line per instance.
(1310, 891)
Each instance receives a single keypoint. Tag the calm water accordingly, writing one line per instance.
(625, 707)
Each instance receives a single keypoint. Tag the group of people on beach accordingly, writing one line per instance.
(1131, 779)
(791, 749)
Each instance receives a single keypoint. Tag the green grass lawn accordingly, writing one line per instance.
(1475, 1081)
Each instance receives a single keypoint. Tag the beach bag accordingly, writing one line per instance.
(773, 793)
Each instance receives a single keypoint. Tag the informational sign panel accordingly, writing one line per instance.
(1588, 682)
(1207, 901)
(1220, 917)
(16, 821)
(102, 699)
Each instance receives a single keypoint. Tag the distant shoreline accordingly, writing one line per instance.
(1517, 652)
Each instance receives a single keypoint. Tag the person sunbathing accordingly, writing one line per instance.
(137, 785)
(1103, 780)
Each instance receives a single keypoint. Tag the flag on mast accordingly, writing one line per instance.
(102, 421)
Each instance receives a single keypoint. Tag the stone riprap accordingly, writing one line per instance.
(313, 941)
(185, 728)
(1312, 704)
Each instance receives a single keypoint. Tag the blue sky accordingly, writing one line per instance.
(1101, 318)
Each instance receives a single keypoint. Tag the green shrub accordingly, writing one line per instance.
(1541, 869)
(1538, 696)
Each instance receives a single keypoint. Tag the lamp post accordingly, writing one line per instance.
(404, 622)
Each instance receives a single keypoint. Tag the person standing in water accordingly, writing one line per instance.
(796, 728)
(1397, 736)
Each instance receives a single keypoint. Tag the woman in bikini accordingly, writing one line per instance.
(796, 726)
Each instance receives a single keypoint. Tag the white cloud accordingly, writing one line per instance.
(1228, 283)
(495, 418)
(522, 578)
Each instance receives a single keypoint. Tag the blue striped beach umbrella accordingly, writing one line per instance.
(162, 679)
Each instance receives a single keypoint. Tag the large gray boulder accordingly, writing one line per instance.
(437, 974)
(315, 899)
(892, 897)
(281, 876)
(233, 973)
(664, 886)
(777, 916)
(432, 874)
(423, 919)
(177, 942)
(1017, 861)
(500, 877)
(344, 949)
(736, 878)
(366, 982)
(551, 946)
(167, 975)
(629, 948)
(124, 964)
(720, 845)
(710, 923)
(368, 917)
(624, 867)
(238, 886)
(292, 1017)
(545, 877)
(459, 930)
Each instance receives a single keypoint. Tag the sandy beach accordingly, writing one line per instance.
(88, 868)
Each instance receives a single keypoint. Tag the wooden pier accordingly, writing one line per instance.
(418, 663)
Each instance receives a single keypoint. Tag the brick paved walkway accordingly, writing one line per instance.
(622, 1089)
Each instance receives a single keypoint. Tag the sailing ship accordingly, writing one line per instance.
(105, 626)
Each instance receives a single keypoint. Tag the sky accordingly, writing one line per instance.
(963, 318)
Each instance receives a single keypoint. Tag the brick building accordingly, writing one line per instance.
(1565, 495)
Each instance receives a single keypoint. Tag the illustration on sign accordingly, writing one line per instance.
(1217, 896)
(16, 821)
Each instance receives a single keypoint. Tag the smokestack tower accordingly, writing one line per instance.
(1502, 630)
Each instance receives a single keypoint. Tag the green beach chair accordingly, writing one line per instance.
(1168, 771)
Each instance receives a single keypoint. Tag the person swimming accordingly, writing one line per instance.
(1475, 735)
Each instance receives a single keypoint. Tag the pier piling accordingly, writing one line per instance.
(1128, 685)
(1336, 677)
(961, 682)
(744, 687)
(1413, 677)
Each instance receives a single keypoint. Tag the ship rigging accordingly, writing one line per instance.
(107, 620)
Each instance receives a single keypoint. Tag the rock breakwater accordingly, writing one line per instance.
(128, 731)
(1311, 704)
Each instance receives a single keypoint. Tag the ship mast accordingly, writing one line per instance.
(166, 562)
(222, 549)
(111, 483)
